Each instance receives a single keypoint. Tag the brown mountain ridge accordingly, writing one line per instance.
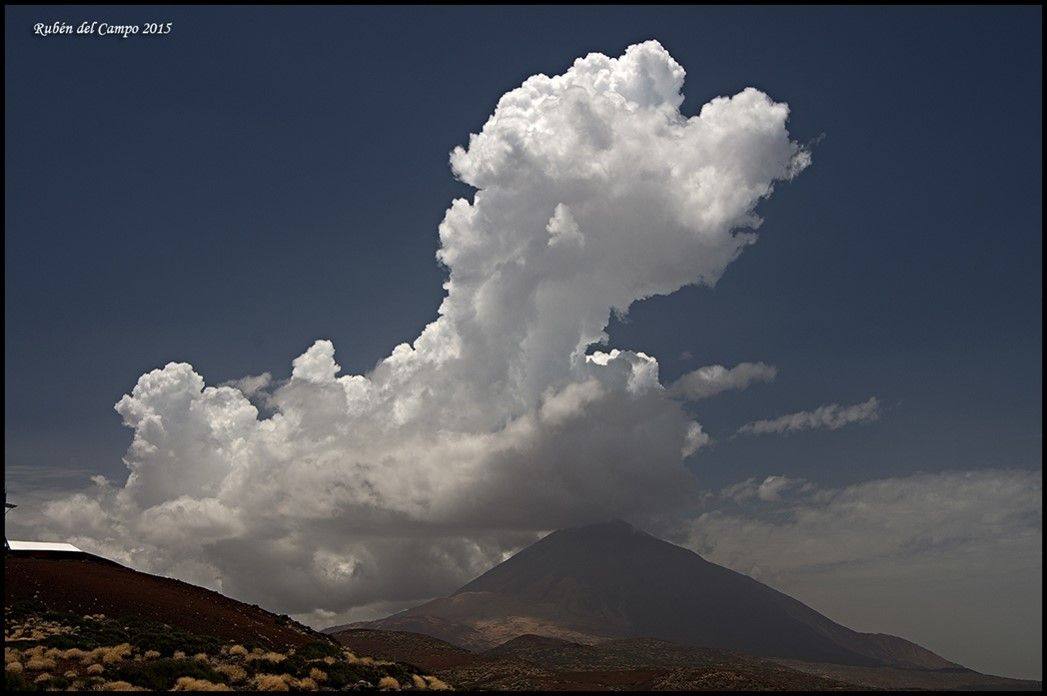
(587, 589)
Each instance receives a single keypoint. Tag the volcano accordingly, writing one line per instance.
(610, 581)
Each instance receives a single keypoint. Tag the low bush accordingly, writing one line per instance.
(318, 650)
(16, 681)
(163, 674)
(190, 684)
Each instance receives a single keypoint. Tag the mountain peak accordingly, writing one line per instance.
(611, 580)
(613, 526)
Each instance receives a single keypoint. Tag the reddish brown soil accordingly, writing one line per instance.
(85, 584)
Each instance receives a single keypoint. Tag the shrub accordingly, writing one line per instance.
(24, 608)
(115, 654)
(436, 684)
(271, 682)
(388, 683)
(317, 675)
(190, 684)
(57, 683)
(318, 650)
(234, 673)
(118, 686)
(16, 681)
(150, 635)
(95, 669)
(64, 641)
(161, 675)
(37, 664)
(342, 674)
(238, 650)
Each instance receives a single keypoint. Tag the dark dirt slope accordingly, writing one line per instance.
(84, 584)
(400, 646)
(602, 581)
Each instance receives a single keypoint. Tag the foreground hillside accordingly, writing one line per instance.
(81, 622)
(85, 584)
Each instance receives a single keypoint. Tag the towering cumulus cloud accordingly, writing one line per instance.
(500, 420)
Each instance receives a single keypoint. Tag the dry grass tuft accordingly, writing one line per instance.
(37, 664)
(388, 683)
(115, 654)
(271, 682)
(118, 686)
(235, 673)
(437, 684)
(190, 684)
(271, 657)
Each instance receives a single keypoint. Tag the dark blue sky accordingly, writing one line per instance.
(264, 177)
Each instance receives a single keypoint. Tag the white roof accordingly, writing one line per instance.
(41, 546)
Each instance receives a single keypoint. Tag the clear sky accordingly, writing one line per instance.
(262, 178)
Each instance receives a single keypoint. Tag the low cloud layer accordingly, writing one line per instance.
(327, 491)
(933, 557)
(830, 417)
(713, 379)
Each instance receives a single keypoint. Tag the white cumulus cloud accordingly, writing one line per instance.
(498, 422)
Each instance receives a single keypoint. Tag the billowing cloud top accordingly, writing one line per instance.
(593, 192)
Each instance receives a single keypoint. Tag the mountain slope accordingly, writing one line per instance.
(536, 663)
(589, 584)
(84, 584)
(73, 621)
